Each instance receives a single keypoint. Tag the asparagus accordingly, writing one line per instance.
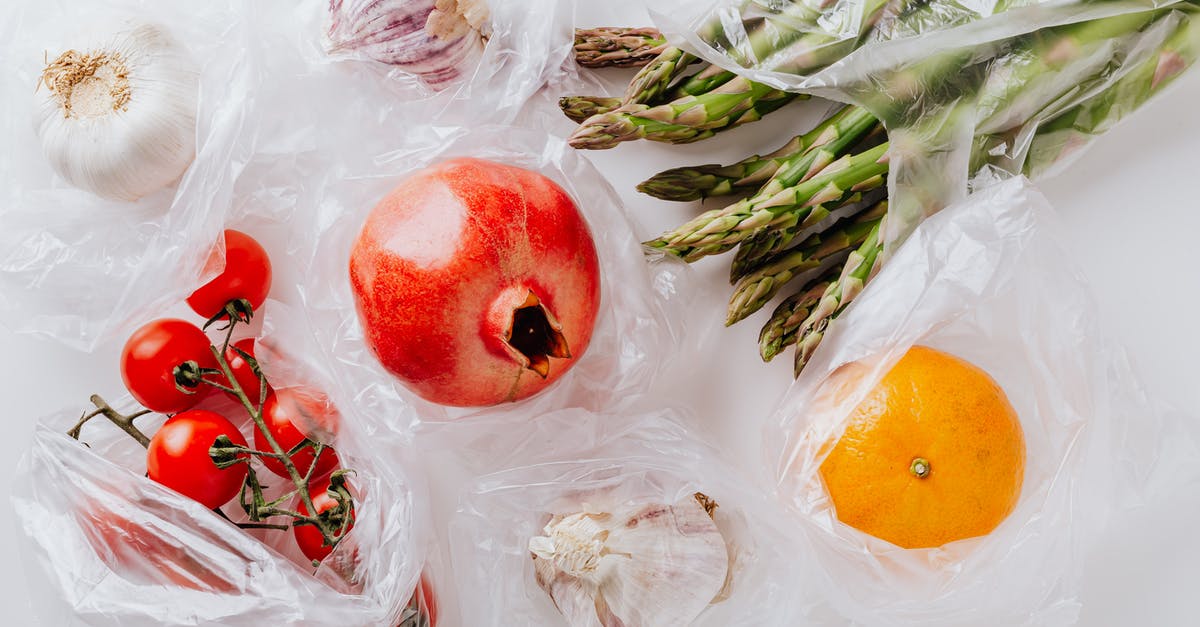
(860, 266)
(695, 182)
(1033, 75)
(653, 80)
(720, 230)
(758, 287)
(685, 120)
(580, 108)
(617, 47)
(1097, 114)
(780, 330)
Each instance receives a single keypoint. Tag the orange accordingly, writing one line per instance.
(933, 454)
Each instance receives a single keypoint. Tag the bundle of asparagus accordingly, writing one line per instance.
(812, 219)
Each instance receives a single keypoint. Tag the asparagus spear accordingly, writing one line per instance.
(685, 120)
(580, 108)
(720, 230)
(758, 287)
(1096, 115)
(617, 47)
(692, 183)
(860, 266)
(780, 330)
(1052, 62)
(653, 80)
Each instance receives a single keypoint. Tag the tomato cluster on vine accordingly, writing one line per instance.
(170, 366)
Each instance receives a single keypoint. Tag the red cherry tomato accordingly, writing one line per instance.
(151, 356)
(178, 457)
(285, 414)
(242, 372)
(142, 554)
(308, 537)
(424, 601)
(247, 275)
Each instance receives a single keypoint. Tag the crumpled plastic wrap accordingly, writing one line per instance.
(83, 270)
(570, 456)
(986, 281)
(969, 92)
(116, 548)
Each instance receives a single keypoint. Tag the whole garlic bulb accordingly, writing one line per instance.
(641, 566)
(438, 40)
(117, 116)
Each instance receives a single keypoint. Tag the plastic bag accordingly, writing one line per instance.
(570, 456)
(637, 326)
(968, 92)
(984, 281)
(116, 548)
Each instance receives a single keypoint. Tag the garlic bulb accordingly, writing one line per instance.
(641, 566)
(438, 40)
(118, 117)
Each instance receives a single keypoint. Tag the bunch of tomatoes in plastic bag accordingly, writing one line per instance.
(170, 365)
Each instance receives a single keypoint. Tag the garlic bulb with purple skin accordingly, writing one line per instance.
(648, 565)
(439, 41)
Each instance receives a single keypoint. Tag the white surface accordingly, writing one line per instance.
(1133, 219)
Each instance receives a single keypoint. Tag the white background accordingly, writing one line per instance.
(1133, 220)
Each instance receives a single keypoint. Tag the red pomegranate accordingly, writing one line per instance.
(476, 282)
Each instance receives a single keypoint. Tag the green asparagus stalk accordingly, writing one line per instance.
(654, 80)
(1052, 61)
(860, 266)
(780, 330)
(720, 230)
(684, 120)
(580, 108)
(617, 47)
(695, 182)
(1096, 115)
(757, 288)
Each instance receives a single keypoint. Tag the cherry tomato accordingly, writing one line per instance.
(141, 553)
(247, 275)
(242, 372)
(151, 356)
(425, 603)
(308, 537)
(178, 457)
(285, 413)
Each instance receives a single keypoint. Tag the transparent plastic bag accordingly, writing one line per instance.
(969, 93)
(638, 323)
(526, 43)
(984, 281)
(572, 456)
(116, 548)
(79, 268)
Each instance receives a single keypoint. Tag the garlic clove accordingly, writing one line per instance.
(645, 565)
(117, 115)
(575, 598)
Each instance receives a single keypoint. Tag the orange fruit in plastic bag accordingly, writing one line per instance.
(934, 453)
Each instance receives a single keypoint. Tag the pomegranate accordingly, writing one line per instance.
(476, 282)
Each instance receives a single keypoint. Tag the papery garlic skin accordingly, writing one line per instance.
(117, 115)
(415, 35)
(641, 566)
